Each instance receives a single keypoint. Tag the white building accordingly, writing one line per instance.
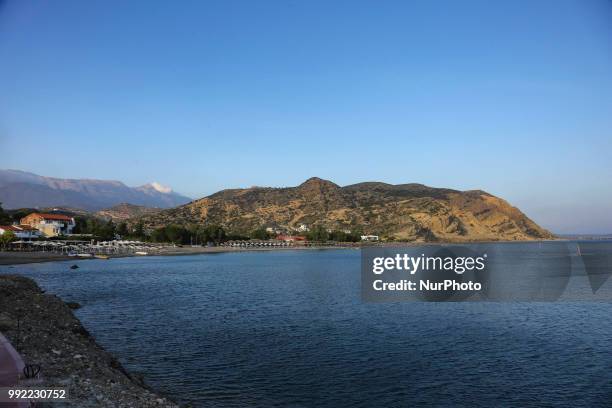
(369, 237)
(20, 231)
(50, 225)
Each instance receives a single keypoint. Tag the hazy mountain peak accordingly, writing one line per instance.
(159, 187)
(22, 189)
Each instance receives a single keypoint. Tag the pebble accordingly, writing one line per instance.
(52, 337)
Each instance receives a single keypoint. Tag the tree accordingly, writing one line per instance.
(139, 231)
(318, 234)
(122, 230)
(176, 234)
(80, 226)
(211, 233)
(260, 233)
(236, 237)
(159, 235)
(19, 214)
(4, 217)
(107, 231)
(104, 231)
(341, 236)
(7, 238)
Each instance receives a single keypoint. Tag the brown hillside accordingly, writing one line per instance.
(411, 212)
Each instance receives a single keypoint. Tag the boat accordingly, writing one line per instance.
(101, 256)
(84, 255)
(140, 253)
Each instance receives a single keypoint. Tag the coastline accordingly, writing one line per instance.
(8, 258)
(44, 331)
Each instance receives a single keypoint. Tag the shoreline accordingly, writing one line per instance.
(44, 331)
(8, 258)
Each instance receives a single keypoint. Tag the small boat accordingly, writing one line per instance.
(140, 253)
(101, 256)
(84, 255)
(74, 267)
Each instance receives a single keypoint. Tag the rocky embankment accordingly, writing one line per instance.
(45, 332)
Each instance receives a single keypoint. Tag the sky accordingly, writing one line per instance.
(512, 97)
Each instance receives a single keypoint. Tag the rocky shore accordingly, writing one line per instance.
(45, 332)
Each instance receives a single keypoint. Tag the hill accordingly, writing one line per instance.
(19, 189)
(411, 212)
(125, 211)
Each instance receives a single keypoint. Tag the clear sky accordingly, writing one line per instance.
(512, 97)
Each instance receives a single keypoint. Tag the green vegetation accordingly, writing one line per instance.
(321, 234)
(122, 229)
(100, 229)
(260, 233)
(17, 215)
(195, 234)
(4, 217)
(138, 232)
(318, 233)
(7, 238)
(341, 236)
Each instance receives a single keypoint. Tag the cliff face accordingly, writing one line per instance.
(407, 212)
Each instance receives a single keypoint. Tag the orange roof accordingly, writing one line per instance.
(59, 217)
(17, 228)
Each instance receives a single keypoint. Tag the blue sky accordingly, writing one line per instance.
(512, 97)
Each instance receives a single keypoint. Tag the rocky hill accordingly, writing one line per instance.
(411, 212)
(125, 211)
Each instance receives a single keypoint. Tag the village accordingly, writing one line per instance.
(54, 232)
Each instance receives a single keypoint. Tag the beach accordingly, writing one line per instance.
(18, 258)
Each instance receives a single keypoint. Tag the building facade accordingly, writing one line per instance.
(20, 231)
(50, 225)
(369, 237)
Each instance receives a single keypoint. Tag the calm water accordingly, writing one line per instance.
(289, 329)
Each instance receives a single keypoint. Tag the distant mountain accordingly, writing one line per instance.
(125, 211)
(22, 189)
(411, 212)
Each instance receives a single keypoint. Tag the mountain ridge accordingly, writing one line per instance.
(411, 212)
(20, 189)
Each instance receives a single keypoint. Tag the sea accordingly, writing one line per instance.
(289, 328)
